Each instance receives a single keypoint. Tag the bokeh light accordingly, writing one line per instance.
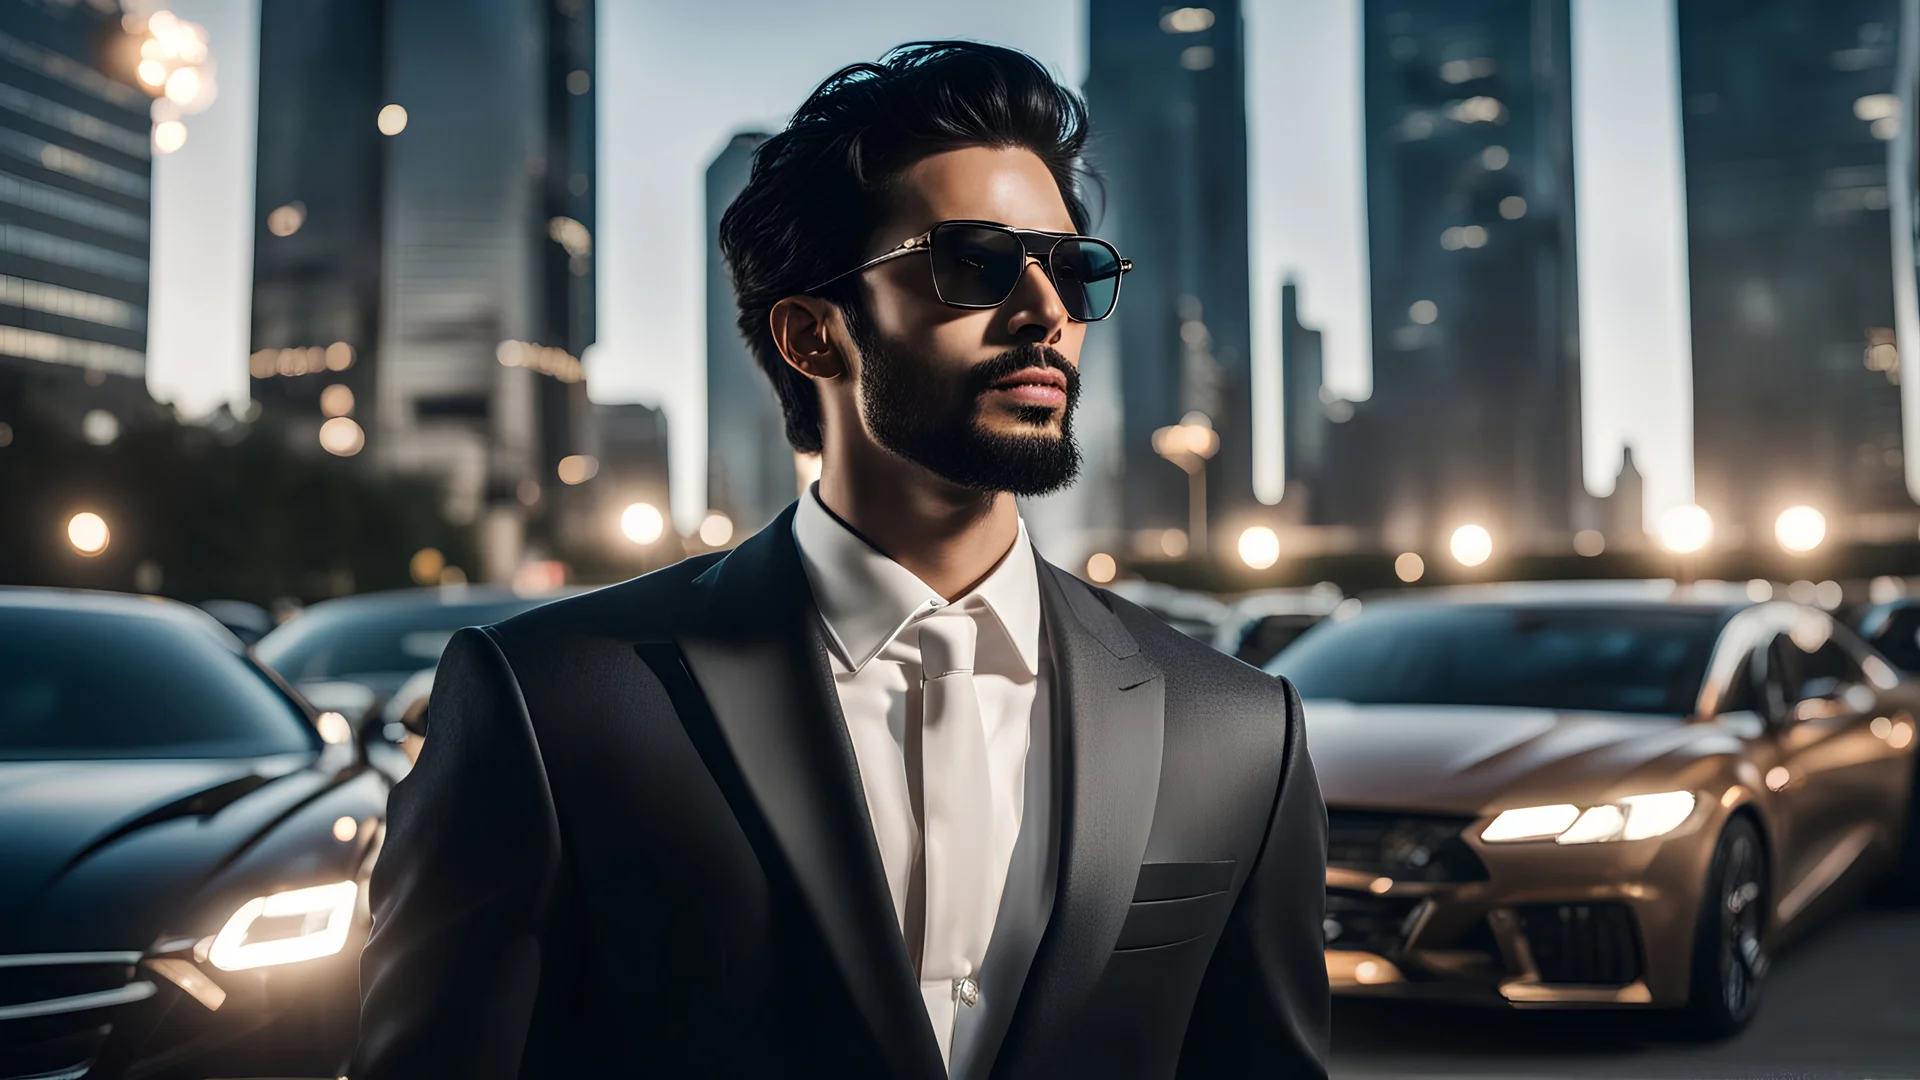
(1471, 545)
(336, 400)
(88, 533)
(342, 437)
(1259, 547)
(642, 523)
(1409, 567)
(1800, 529)
(169, 135)
(1101, 568)
(392, 120)
(716, 529)
(1685, 529)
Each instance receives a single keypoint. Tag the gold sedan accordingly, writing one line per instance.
(1610, 795)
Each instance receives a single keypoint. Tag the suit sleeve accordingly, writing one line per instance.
(449, 977)
(1264, 1008)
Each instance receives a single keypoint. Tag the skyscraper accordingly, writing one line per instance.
(1789, 110)
(1167, 94)
(426, 244)
(750, 476)
(1475, 414)
(75, 208)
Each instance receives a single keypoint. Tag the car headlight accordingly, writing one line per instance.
(1636, 817)
(286, 927)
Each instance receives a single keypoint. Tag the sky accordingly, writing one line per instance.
(676, 80)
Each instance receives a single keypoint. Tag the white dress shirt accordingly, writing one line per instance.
(871, 608)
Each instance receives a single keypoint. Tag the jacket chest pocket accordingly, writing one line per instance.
(1176, 902)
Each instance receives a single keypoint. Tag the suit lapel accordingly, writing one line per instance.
(1108, 742)
(759, 658)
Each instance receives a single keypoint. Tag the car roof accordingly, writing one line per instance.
(437, 596)
(113, 603)
(1721, 596)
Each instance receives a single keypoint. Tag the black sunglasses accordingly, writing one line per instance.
(977, 264)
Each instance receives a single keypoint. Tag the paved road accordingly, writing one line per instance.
(1841, 1004)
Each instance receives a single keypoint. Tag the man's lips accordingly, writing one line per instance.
(1034, 386)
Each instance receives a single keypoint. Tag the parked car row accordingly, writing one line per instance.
(1599, 795)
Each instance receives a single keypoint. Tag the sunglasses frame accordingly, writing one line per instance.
(924, 242)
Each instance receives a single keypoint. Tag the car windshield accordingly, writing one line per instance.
(1577, 659)
(98, 684)
(375, 637)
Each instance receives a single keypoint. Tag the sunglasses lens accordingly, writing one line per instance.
(975, 266)
(1087, 273)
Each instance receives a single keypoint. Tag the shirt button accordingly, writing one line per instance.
(967, 992)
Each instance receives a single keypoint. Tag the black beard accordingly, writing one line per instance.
(935, 424)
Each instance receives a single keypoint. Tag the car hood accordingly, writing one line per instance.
(1475, 759)
(100, 854)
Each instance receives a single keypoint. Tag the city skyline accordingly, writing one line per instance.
(641, 231)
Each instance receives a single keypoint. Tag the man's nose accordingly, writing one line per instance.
(1034, 311)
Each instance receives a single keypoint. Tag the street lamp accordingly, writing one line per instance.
(643, 523)
(1800, 529)
(1471, 545)
(87, 532)
(1189, 444)
(1685, 529)
(1259, 547)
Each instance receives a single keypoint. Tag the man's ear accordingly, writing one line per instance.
(800, 331)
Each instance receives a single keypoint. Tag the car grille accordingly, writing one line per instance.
(1405, 847)
(1587, 944)
(44, 982)
(61, 1043)
(1376, 924)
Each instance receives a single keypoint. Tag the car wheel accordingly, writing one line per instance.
(1729, 956)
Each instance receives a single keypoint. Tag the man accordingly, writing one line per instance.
(879, 793)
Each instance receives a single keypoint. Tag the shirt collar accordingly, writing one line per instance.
(866, 599)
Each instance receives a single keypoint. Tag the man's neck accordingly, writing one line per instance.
(949, 537)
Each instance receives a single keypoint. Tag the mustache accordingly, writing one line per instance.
(1019, 359)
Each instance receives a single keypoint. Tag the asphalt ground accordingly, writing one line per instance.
(1843, 1003)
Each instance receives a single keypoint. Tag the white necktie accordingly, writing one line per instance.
(962, 890)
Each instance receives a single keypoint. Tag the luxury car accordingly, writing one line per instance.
(355, 653)
(1257, 626)
(184, 850)
(1608, 795)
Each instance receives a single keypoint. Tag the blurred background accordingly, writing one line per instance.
(302, 300)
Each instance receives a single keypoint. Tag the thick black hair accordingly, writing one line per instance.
(819, 189)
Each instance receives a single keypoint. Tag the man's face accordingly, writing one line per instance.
(982, 398)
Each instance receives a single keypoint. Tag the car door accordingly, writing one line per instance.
(1821, 707)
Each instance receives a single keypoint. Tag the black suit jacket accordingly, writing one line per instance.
(636, 845)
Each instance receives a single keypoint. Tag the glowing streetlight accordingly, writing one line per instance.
(1259, 547)
(1685, 529)
(342, 437)
(1471, 545)
(1189, 444)
(1800, 529)
(169, 135)
(1409, 567)
(87, 532)
(1101, 568)
(716, 529)
(642, 523)
(578, 468)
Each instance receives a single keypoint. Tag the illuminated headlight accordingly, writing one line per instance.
(287, 927)
(1636, 817)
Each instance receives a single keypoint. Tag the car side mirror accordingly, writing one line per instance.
(408, 705)
(350, 700)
